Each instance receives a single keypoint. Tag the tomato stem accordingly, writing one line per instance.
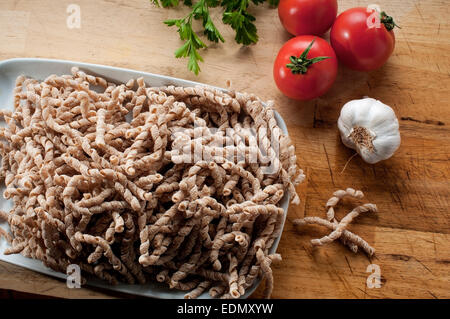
(388, 21)
(299, 65)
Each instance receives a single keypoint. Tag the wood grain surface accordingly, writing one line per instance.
(411, 232)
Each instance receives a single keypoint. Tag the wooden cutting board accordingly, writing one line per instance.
(411, 232)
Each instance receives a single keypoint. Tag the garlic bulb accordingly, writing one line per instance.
(371, 128)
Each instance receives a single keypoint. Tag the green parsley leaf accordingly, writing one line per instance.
(169, 3)
(200, 11)
(235, 14)
(242, 22)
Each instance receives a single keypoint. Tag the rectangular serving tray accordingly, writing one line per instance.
(40, 69)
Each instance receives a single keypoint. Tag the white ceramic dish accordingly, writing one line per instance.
(40, 69)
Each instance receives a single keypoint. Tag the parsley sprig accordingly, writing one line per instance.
(235, 14)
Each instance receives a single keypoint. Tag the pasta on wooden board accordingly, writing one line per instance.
(96, 177)
(338, 228)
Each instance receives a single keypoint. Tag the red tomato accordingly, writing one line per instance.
(305, 17)
(363, 38)
(304, 74)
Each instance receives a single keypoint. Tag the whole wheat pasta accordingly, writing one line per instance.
(5, 234)
(198, 290)
(218, 290)
(344, 223)
(339, 230)
(136, 183)
(333, 201)
(349, 236)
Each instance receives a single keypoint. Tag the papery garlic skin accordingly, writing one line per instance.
(371, 128)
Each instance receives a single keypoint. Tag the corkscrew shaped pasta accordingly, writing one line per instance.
(96, 178)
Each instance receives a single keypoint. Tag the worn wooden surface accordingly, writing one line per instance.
(411, 232)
